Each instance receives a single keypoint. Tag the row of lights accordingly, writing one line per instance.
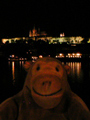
(69, 55)
(61, 55)
(34, 58)
(16, 57)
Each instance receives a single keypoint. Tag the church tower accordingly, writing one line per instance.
(34, 32)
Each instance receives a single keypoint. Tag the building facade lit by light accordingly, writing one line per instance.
(62, 34)
(51, 40)
(34, 32)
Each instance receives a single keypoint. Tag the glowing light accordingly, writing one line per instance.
(78, 54)
(69, 54)
(34, 57)
(13, 70)
(62, 34)
(56, 56)
(23, 38)
(66, 55)
(73, 53)
(60, 54)
(13, 56)
(40, 56)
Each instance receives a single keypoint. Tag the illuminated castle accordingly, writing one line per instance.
(34, 32)
(38, 35)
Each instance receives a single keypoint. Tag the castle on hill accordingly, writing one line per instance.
(34, 32)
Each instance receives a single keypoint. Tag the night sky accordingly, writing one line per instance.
(53, 16)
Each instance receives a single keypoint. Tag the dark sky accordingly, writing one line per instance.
(53, 16)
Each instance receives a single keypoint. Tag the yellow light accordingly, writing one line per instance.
(69, 54)
(73, 53)
(78, 54)
(60, 54)
(23, 38)
(56, 56)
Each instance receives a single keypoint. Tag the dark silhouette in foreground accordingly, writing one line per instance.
(46, 95)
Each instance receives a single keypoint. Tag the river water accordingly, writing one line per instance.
(12, 77)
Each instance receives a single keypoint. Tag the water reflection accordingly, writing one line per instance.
(21, 63)
(75, 67)
(13, 70)
(77, 74)
(16, 68)
(76, 71)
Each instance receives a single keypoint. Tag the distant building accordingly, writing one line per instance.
(62, 35)
(51, 40)
(10, 40)
(67, 40)
(34, 32)
(88, 41)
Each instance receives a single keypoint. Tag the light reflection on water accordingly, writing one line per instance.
(75, 67)
(16, 68)
(78, 77)
(13, 70)
(76, 71)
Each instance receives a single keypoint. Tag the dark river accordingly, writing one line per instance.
(12, 77)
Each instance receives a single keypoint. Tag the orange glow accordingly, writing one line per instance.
(40, 56)
(78, 54)
(73, 53)
(13, 56)
(13, 70)
(60, 54)
(62, 34)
